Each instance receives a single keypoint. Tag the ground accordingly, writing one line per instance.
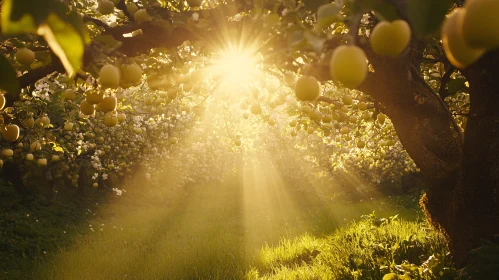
(210, 230)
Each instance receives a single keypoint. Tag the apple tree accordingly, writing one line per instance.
(358, 62)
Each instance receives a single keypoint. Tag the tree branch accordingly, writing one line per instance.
(416, 74)
(96, 22)
(443, 82)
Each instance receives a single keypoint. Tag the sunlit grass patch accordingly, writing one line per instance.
(368, 249)
(288, 252)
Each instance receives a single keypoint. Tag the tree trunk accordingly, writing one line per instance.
(476, 207)
(424, 127)
(463, 177)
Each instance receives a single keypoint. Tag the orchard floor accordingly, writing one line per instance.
(210, 231)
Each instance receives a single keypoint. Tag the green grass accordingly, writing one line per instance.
(209, 231)
(369, 249)
(30, 227)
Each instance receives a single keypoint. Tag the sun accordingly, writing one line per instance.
(236, 67)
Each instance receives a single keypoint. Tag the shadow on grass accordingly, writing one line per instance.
(213, 230)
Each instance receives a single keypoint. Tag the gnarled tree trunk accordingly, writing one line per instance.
(462, 175)
(475, 214)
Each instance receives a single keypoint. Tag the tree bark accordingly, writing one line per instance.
(475, 214)
(426, 130)
(463, 177)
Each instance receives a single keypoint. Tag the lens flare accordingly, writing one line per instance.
(236, 67)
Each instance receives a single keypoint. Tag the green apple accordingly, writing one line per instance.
(307, 88)
(10, 132)
(481, 24)
(390, 38)
(25, 56)
(141, 16)
(105, 7)
(87, 108)
(348, 65)
(457, 50)
(108, 104)
(109, 76)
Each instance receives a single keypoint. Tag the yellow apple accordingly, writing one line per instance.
(481, 24)
(45, 121)
(29, 157)
(315, 115)
(366, 116)
(131, 73)
(141, 16)
(381, 118)
(361, 144)
(237, 142)
(347, 99)
(2, 101)
(390, 38)
(121, 117)
(109, 76)
(87, 108)
(25, 56)
(362, 105)
(94, 96)
(10, 132)
(108, 104)
(131, 8)
(344, 130)
(105, 7)
(348, 65)
(56, 158)
(29, 122)
(69, 94)
(256, 108)
(110, 120)
(307, 88)
(457, 50)
(41, 162)
(68, 126)
(35, 146)
(7, 152)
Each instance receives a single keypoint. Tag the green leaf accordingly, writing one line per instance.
(65, 42)
(8, 79)
(23, 24)
(315, 42)
(62, 28)
(383, 9)
(328, 14)
(390, 276)
(427, 15)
